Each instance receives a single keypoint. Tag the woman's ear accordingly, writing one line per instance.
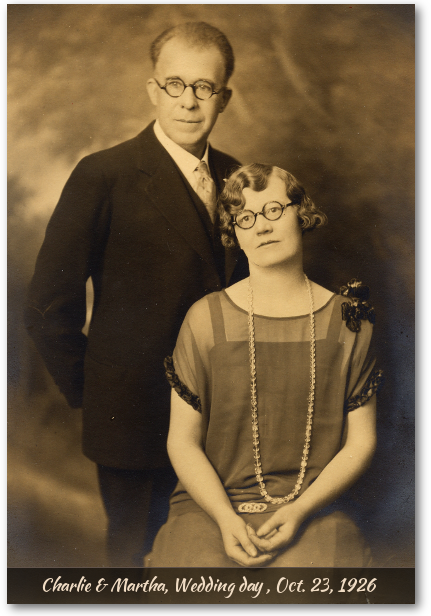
(235, 236)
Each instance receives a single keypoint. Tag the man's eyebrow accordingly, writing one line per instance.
(196, 80)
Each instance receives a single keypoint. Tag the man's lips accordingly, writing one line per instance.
(190, 121)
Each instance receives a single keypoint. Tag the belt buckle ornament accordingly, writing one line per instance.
(252, 507)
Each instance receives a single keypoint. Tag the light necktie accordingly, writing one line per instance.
(205, 188)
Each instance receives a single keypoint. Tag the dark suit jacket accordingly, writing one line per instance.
(128, 219)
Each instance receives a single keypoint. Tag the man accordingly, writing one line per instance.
(140, 220)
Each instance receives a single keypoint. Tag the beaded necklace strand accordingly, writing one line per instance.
(254, 410)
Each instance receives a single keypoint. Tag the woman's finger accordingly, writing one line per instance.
(283, 536)
(248, 545)
(261, 543)
(242, 558)
(269, 526)
(271, 534)
(239, 539)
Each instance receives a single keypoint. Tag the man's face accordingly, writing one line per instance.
(188, 120)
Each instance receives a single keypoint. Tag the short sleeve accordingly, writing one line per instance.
(365, 379)
(187, 369)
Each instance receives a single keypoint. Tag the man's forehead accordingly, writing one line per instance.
(183, 43)
(178, 51)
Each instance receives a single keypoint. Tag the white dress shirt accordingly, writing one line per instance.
(186, 162)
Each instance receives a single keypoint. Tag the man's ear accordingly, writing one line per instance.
(152, 88)
(226, 96)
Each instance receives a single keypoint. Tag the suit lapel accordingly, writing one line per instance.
(167, 190)
(216, 170)
(200, 207)
(219, 175)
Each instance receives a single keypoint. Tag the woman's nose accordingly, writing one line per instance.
(262, 224)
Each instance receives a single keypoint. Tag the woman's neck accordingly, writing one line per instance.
(280, 291)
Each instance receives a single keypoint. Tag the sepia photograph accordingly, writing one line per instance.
(211, 302)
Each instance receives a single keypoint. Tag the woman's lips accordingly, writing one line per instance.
(268, 243)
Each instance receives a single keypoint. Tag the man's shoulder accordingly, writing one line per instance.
(132, 150)
(221, 157)
(224, 163)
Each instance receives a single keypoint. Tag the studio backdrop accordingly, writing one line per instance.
(324, 91)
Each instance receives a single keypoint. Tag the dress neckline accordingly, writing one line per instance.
(262, 316)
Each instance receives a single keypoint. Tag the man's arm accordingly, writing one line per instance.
(55, 312)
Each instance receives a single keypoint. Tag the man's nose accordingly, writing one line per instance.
(188, 98)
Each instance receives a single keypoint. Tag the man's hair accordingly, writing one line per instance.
(256, 176)
(196, 34)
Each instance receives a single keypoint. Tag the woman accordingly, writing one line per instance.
(273, 405)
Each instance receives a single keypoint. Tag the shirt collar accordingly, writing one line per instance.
(185, 161)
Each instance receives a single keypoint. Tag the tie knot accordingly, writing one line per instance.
(202, 168)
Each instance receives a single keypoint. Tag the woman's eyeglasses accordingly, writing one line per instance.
(271, 211)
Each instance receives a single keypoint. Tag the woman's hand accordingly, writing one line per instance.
(238, 545)
(278, 531)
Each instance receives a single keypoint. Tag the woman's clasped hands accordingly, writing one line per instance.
(251, 548)
(239, 546)
(277, 532)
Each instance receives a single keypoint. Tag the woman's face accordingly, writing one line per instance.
(270, 243)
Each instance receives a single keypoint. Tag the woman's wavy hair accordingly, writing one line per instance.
(256, 177)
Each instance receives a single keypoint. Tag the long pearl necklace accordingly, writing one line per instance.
(254, 413)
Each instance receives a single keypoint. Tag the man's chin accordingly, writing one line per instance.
(188, 138)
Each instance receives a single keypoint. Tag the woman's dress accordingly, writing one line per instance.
(210, 370)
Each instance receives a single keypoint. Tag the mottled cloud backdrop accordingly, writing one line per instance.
(325, 91)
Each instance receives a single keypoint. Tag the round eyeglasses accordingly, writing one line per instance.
(271, 211)
(203, 90)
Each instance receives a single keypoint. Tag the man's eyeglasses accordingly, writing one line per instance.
(271, 211)
(203, 90)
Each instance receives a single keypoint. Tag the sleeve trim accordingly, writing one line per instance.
(372, 386)
(182, 390)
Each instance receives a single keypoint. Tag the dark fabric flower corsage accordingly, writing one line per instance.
(372, 386)
(182, 390)
(359, 308)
